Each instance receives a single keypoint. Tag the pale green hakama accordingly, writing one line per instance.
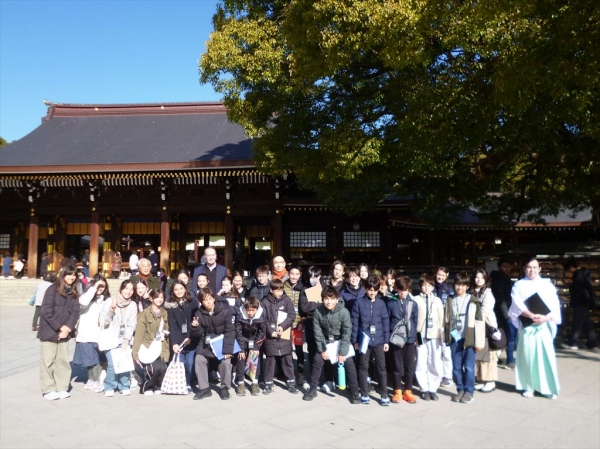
(536, 360)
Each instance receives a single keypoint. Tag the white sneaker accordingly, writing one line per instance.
(488, 387)
(551, 396)
(98, 387)
(157, 392)
(52, 396)
(566, 346)
(89, 385)
(109, 393)
(148, 393)
(479, 386)
(325, 388)
(527, 394)
(63, 394)
(126, 392)
(134, 383)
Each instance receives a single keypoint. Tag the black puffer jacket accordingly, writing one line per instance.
(277, 346)
(220, 322)
(250, 328)
(57, 311)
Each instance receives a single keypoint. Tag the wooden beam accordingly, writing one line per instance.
(165, 241)
(94, 240)
(32, 256)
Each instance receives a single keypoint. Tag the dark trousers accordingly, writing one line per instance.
(240, 367)
(582, 324)
(317, 368)
(299, 357)
(511, 339)
(309, 334)
(287, 366)
(36, 316)
(404, 366)
(153, 375)
(363, 368)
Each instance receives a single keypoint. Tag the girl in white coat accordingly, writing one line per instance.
(86, 350)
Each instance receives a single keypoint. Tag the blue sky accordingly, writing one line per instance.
(88, 51)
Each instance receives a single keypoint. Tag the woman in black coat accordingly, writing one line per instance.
(59, 315)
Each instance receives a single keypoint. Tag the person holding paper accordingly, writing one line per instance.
(461, 334)
(250, 334)
(118, 319)
(294, 288)
(279, 317)
(333, 325)
(371, 322)
(429, 367)
(213, 319)
(308, 307)
(403, 309)
(152, 329)
(535, 299)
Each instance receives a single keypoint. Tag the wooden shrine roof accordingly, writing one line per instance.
(136, 137)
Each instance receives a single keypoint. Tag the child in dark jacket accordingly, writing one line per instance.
(403, 309)
(370, 319)
(332, 323)
(211, 320)
(260, 287)
(250, 334)
(352, 289)
(279, 317)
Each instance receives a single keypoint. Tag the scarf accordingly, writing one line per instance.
(123, 302)
(279, 274)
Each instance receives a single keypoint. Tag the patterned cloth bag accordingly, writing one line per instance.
(174, 380)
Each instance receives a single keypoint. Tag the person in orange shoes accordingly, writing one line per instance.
(403, 312)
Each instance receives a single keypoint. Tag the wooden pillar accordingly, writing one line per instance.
(165, 241)
(94, 240)
(277, 234)
(32, 257)
(229, 241)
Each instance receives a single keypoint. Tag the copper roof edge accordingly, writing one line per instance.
(137, 167)
(91, 110)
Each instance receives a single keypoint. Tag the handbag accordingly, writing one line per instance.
(399, 334)
(149, 354)
(495, 345)
(107, 339)
(174, 381)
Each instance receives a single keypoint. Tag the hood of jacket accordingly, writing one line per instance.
(244, 315)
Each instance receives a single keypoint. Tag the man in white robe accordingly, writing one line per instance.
(536, 359)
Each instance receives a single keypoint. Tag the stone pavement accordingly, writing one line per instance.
(501, 419)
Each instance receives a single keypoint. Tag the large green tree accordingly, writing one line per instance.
(492, 105)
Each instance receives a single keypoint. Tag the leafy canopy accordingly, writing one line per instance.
(492, 105)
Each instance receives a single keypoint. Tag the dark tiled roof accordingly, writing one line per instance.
(74, 135)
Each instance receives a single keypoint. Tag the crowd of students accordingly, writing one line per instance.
(360, 327)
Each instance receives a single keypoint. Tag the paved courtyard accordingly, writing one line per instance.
(501, 419)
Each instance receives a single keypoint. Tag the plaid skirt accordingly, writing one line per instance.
(87, 354)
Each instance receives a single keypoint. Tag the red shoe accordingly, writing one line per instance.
(409, 397)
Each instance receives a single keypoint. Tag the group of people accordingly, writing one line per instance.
(359, 327)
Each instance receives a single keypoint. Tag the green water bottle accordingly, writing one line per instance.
(341, 377)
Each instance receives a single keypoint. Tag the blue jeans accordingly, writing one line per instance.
(188, 361)
(113, 381)
(511, 339)
(463, 366)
